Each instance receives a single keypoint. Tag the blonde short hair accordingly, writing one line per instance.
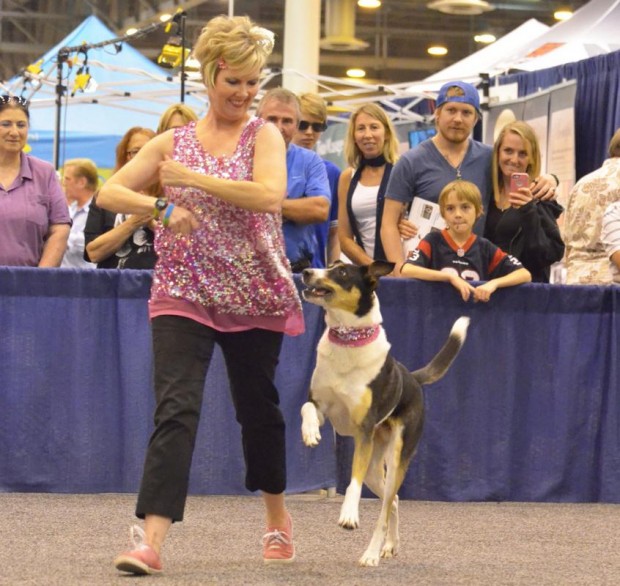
(85, 168)
(530, 140)
(186, 113)
(465, 190)
(314, 106)
(352, 152)
(232, 41)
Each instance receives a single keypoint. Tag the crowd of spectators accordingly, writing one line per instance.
(357, 214)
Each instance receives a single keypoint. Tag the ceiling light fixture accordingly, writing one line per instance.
(563, 14)
(461, 7)
(165, 17)
(369, 3)
(356, 73)
(437, 51)
(485, 38)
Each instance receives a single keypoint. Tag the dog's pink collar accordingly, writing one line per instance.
(353, 337)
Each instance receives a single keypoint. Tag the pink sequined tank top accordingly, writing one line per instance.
(235, 261)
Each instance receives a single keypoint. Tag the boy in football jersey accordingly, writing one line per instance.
(457, 255)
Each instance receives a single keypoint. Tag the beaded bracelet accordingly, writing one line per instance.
(167, 215)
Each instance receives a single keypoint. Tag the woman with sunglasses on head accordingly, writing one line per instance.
(120, 241)
(222, 278)
(34, 217)
(371, 149)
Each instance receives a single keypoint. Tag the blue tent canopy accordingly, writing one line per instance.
(126, 90)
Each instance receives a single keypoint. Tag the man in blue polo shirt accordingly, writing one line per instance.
(308, 194)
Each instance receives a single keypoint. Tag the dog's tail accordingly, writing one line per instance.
(439, 365)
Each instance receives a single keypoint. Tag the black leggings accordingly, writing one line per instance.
(182, 351)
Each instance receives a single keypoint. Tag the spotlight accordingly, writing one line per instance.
(172, 53)
(83, 81)
(35, 68)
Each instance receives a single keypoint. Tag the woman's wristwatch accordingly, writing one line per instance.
(160, 205)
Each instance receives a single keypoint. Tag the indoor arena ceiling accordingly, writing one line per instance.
(397, 34)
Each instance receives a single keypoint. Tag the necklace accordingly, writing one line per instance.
(456, 166)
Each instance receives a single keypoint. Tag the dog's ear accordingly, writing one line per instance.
(380, 268)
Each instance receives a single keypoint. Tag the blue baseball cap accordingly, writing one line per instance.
(470, 95)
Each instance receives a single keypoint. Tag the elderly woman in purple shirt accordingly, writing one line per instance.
(34, 217)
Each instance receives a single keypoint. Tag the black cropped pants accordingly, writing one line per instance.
(182, 351)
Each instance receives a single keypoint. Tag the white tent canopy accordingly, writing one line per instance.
(486, 60)
(593, 30)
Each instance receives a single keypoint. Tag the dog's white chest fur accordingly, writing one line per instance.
(342, 375)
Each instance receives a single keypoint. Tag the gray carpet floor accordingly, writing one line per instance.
(51, 539)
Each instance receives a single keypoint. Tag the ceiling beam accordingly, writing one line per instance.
(351, 59)
(31, 15)
(146, 16)
(25, 48)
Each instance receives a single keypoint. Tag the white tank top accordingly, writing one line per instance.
(364, 205)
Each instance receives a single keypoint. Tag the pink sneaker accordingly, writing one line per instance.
(278, 545)
(142, 559)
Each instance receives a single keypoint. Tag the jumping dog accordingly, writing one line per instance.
(366, 393)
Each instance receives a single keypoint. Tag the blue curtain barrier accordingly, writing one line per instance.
(529, 410)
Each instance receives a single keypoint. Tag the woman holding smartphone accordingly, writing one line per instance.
(517, 222)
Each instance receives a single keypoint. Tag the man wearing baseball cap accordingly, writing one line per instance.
(451, 154)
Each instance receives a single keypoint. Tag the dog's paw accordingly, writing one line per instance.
(348, 523)
(369, 559)
(389, 550)
(349, 517)
(310, 434)
(310, 425)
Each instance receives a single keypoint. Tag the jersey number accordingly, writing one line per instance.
(466, 275)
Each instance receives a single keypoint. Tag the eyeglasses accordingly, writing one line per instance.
(316, 126)
(19, 100)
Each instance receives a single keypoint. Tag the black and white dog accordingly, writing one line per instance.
(366, 393)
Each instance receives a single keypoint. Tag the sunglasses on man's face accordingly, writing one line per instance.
(316, 126)
(19, 100)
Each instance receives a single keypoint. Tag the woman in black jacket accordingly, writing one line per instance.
(518, 223)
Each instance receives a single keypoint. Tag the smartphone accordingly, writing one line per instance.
(518, 180)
